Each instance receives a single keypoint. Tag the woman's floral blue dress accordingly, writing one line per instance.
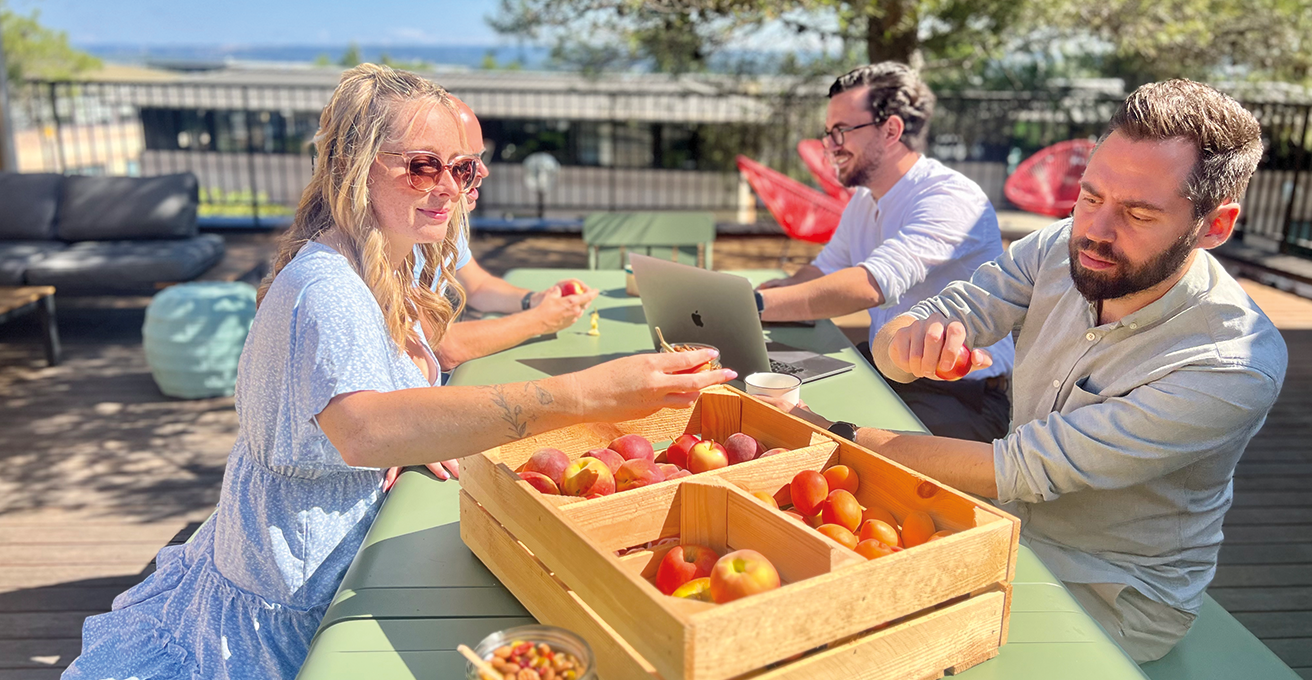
(244, 597)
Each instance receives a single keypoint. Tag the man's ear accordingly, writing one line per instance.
(892, 130)
(1220, 225)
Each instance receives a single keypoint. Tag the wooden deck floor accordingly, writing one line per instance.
(98, 470)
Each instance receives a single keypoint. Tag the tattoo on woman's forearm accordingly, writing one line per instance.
(544, 397)
(512, 414)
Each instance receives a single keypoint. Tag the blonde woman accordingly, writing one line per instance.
(337, 384)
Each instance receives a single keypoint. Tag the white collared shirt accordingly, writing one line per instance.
(933, 227)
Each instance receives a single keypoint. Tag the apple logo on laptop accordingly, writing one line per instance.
(697, 319)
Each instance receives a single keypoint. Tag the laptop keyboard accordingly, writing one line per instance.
(780, 367)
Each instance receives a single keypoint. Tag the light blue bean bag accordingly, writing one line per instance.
(193, 337)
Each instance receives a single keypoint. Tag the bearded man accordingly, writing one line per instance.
(1142, 367)
(913, 226)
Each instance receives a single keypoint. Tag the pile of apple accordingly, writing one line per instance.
(629, 462)
(696, 572)
(827, 503)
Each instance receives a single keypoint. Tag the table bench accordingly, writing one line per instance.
(1218, 647)
(21, 300)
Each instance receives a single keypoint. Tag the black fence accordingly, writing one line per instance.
(660, 147)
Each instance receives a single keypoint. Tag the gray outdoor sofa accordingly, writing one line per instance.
(101, 234)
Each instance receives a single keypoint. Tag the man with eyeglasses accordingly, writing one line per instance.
(912, 227)
(528, 314)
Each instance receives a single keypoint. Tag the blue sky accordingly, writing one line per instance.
(269, 22)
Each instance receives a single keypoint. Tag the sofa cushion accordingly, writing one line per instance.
(112, 208)
(17, 256)
(27, 205)
(126, 265)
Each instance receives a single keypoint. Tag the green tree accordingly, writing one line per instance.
(1143, 41)
(323, 60)
(351, 57)
(34, 51)
(685, 35)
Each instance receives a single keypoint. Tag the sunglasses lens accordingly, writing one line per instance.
(425, 171)
(465, 172)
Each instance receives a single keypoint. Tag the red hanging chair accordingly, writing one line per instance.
(817, 162)
(1048, 183)
(803, 213)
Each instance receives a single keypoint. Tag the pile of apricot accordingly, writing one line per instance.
(826, 501)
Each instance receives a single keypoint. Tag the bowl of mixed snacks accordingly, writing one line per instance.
(534, 653)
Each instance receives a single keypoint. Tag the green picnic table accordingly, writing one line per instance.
(414, 591)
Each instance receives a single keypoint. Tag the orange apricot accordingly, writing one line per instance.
(941, 534)
(871, 549)
(809, 489)
(766, 498)
(879, 530)
(879, 513)
(842, 509)
(917, 528)
(839, 534)
(842, 477)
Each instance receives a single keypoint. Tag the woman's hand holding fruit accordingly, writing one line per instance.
(935, 348)
(639, 385)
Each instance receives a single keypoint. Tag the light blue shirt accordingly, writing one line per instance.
(1124, 436)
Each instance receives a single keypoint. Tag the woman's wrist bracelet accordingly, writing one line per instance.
(527, 301)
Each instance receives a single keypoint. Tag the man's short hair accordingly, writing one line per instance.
(1227, 139)
(895, 90)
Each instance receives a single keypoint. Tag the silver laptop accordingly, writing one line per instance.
(697, 305)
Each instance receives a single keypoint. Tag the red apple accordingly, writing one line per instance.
(677, 454)
(682, 564)
(707, 455)
(610, 458)
(636, 473)
(959, 369)
(741, 448)
(632, 446)
(541, 482)
(588, 477)
(742, 573)
(550, 462)
(572, 287)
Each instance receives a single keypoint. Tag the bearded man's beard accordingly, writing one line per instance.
(1121, 281)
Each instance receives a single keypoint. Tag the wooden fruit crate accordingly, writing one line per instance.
(947, 601)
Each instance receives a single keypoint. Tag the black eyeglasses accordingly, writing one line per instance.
(424, 170)
(835, 134)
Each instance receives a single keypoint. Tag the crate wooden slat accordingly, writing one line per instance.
(830, 595)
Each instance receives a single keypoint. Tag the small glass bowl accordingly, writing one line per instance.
(711, 365)
(558, 639)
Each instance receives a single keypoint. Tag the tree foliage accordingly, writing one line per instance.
(34, 51)
(1008, 41)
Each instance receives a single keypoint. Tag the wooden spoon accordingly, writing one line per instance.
(664, 345)
(483, 667)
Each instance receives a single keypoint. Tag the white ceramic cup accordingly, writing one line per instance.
(784, 386)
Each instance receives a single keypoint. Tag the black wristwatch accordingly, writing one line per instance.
(844, 429)
(527, 301)
(760, 302)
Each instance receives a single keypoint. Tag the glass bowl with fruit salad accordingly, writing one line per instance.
(692, 347)
(551, 653)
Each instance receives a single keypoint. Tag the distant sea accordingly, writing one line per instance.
(471, 56)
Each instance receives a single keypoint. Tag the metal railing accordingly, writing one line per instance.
(635, 149)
